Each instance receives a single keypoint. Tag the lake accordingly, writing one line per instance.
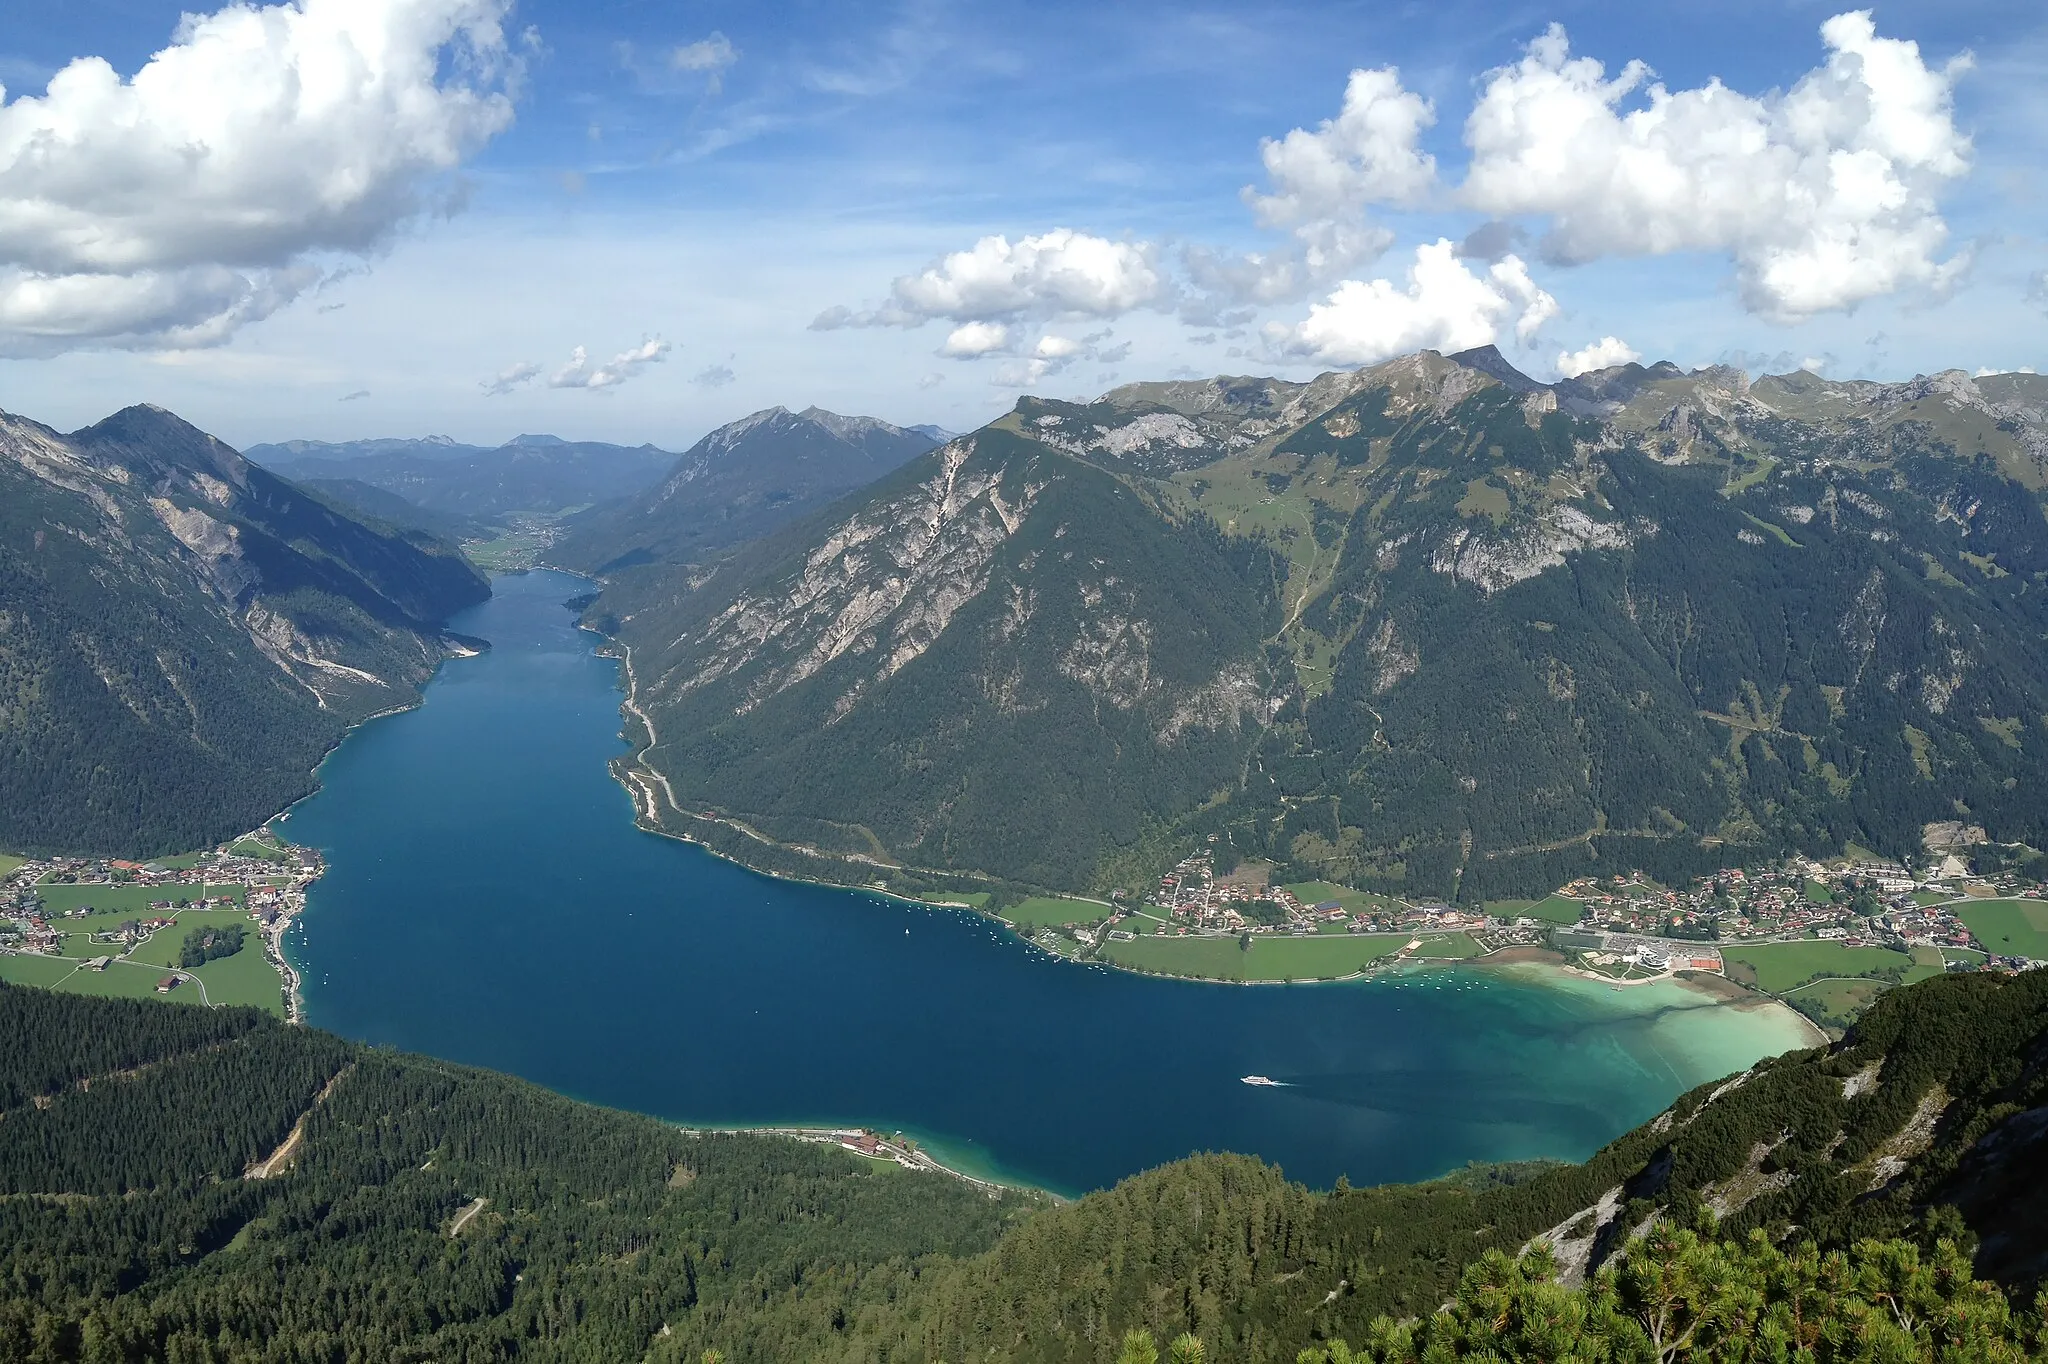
(489, 900)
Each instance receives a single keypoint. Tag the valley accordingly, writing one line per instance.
(1204, 689)
(436, 928)
(1023, 684)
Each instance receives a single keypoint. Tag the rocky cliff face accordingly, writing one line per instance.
(184, 633)
(1459, 632)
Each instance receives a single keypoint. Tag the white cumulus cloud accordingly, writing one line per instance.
(1825, 195)
(1057, 273)
(1605, 353)
(1322, 184)
(1367, 154)
(972, 339)
(170, 208)
(580, 373)
(1442, 306)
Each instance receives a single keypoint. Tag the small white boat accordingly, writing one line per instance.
(1260, 1080)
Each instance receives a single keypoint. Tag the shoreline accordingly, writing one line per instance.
(638, 779)
(641, 782)
(909, 1154)
(646, 788)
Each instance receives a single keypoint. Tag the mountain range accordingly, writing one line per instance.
(739, 482)
(533, 473)
(183, 633)
(1429, 627)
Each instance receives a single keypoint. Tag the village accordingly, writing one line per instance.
(1825, 937)
(170, 928)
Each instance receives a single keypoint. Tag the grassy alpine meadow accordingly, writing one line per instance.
(1781, 965)
(9, 863)
(2017, 928)
(1278, 958)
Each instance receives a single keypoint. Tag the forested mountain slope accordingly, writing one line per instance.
(183, 634)
(429, 1211)
(743, 480)
(1458, 633)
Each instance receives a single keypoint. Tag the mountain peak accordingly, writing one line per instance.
(149, 438)
(536, 440)
(1489, 361)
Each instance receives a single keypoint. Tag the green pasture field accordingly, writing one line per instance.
(1927, 961)
(183, 861)
(1354, 901)
(1043, 911)
(121, 979)
(1555, 909)
(164, 945)
(259, 849)
(1924, 898)
(9, 863)
(1276, 957)
(128, 901)
(1781, 965)
(247, 977)
(1448, 946)
(1841, 998)
(2016, 928)
(1817, 893)
(23, 968)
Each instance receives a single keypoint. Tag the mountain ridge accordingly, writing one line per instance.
(184, 633)
(742, 480)
(1506, 638)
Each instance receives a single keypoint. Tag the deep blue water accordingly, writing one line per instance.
(489, 900)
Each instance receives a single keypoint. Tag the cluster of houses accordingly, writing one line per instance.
(26, 925)
(1197, 899)
(1862, 904)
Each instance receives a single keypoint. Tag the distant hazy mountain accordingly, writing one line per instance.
(739, 482)
(420, 447)
(375, 503)
(1430, 626)
(183, 634)
(533, 473)
(939, 434)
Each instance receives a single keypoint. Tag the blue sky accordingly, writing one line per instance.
(681, 190)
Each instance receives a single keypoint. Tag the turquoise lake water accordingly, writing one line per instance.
(489, 900)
